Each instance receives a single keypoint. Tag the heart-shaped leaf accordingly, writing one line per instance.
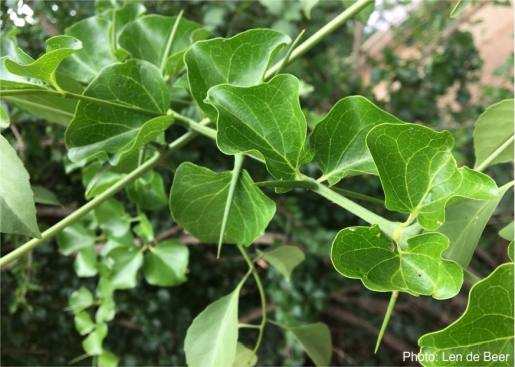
(197, 203)
(96, 51)
(368, 254)
(241, 60)
(485, 329)
(80, 299)
(493, 134)
(339, 138)
(58, 48)
(17, 209)
(166, 263)
(464, 225)
(148, 38)
(264, 120)
(419, 173)
(212, 338)
(284, 259)
(99, 129)
(126, 263)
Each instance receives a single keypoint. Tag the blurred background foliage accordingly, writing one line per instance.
(427, 72)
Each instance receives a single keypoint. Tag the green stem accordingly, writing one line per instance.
(294, 184)
(194, 125)
(80, 97)
(321, 34)
(284, 61)
(357, 195)
(356, 209)
(470, 277)
(238, 163)
(393, 299)
(494, 155)
(170, 42)
(249, 326)
(262, 296)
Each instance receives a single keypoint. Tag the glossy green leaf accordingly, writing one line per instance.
(197, 203)
(150, 195)
(96, 51)
(17, 209)
(265, 120)
(464, 224)
(212, 338)
(166, 263)
(108, 359)
(80, 299)
(83, 323)
(85, 263)
(507, 232)
(93, 343)
(284, 259)
(148, 37)
(315, 340)
(510, 251)
(144, 229)
(485, 329)
(58, 48)
(244, 357)
(126, 263)
(75, 237)
(339, 139)
(368, 254)
(4, 118)
(459, 7)
(112, 218)
(9, 80)
(419, 174)
(98, 129)
(45, 196)
(121, 17)
(493, 134)
(241, 60)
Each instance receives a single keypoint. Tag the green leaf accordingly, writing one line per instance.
(17, 209)
(107, 308)
(10, 81)
(85, 263)
(4, 118)
(464, 224)
(45, 196)
(244, 357)
(147, 38)
(507, 232)
(120, 17)
(144, 229)
(493, 135)
(96, 51)
(108, 359)
(364, 14)
(315, 340)
(93, 343)
(510, 251)
(485, 329)
(212, 338)
(368, 254)
(241, 60)
(80, 299)
(99, 129)
(339, 139)
(284, 259)
(459, 7)
(112, 218)
(58, 48)
(197, 203)
(83, 323)
(166, 263)
(419, 174)
(150, 195)
(265, 120)
(307, 6)
(126, 263)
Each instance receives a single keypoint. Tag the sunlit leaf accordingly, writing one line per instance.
(108, 359)
(83, 323)
(485, 329)
(241, 60)
(197, 203)
(244, 357)
(368, 254)
(265, 120)
(166, 263)
(339, 139)
(17, 209)
(93, 343)
(284, 259)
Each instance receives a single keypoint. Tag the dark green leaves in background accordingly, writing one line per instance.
(197, 203)
(241, 60)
